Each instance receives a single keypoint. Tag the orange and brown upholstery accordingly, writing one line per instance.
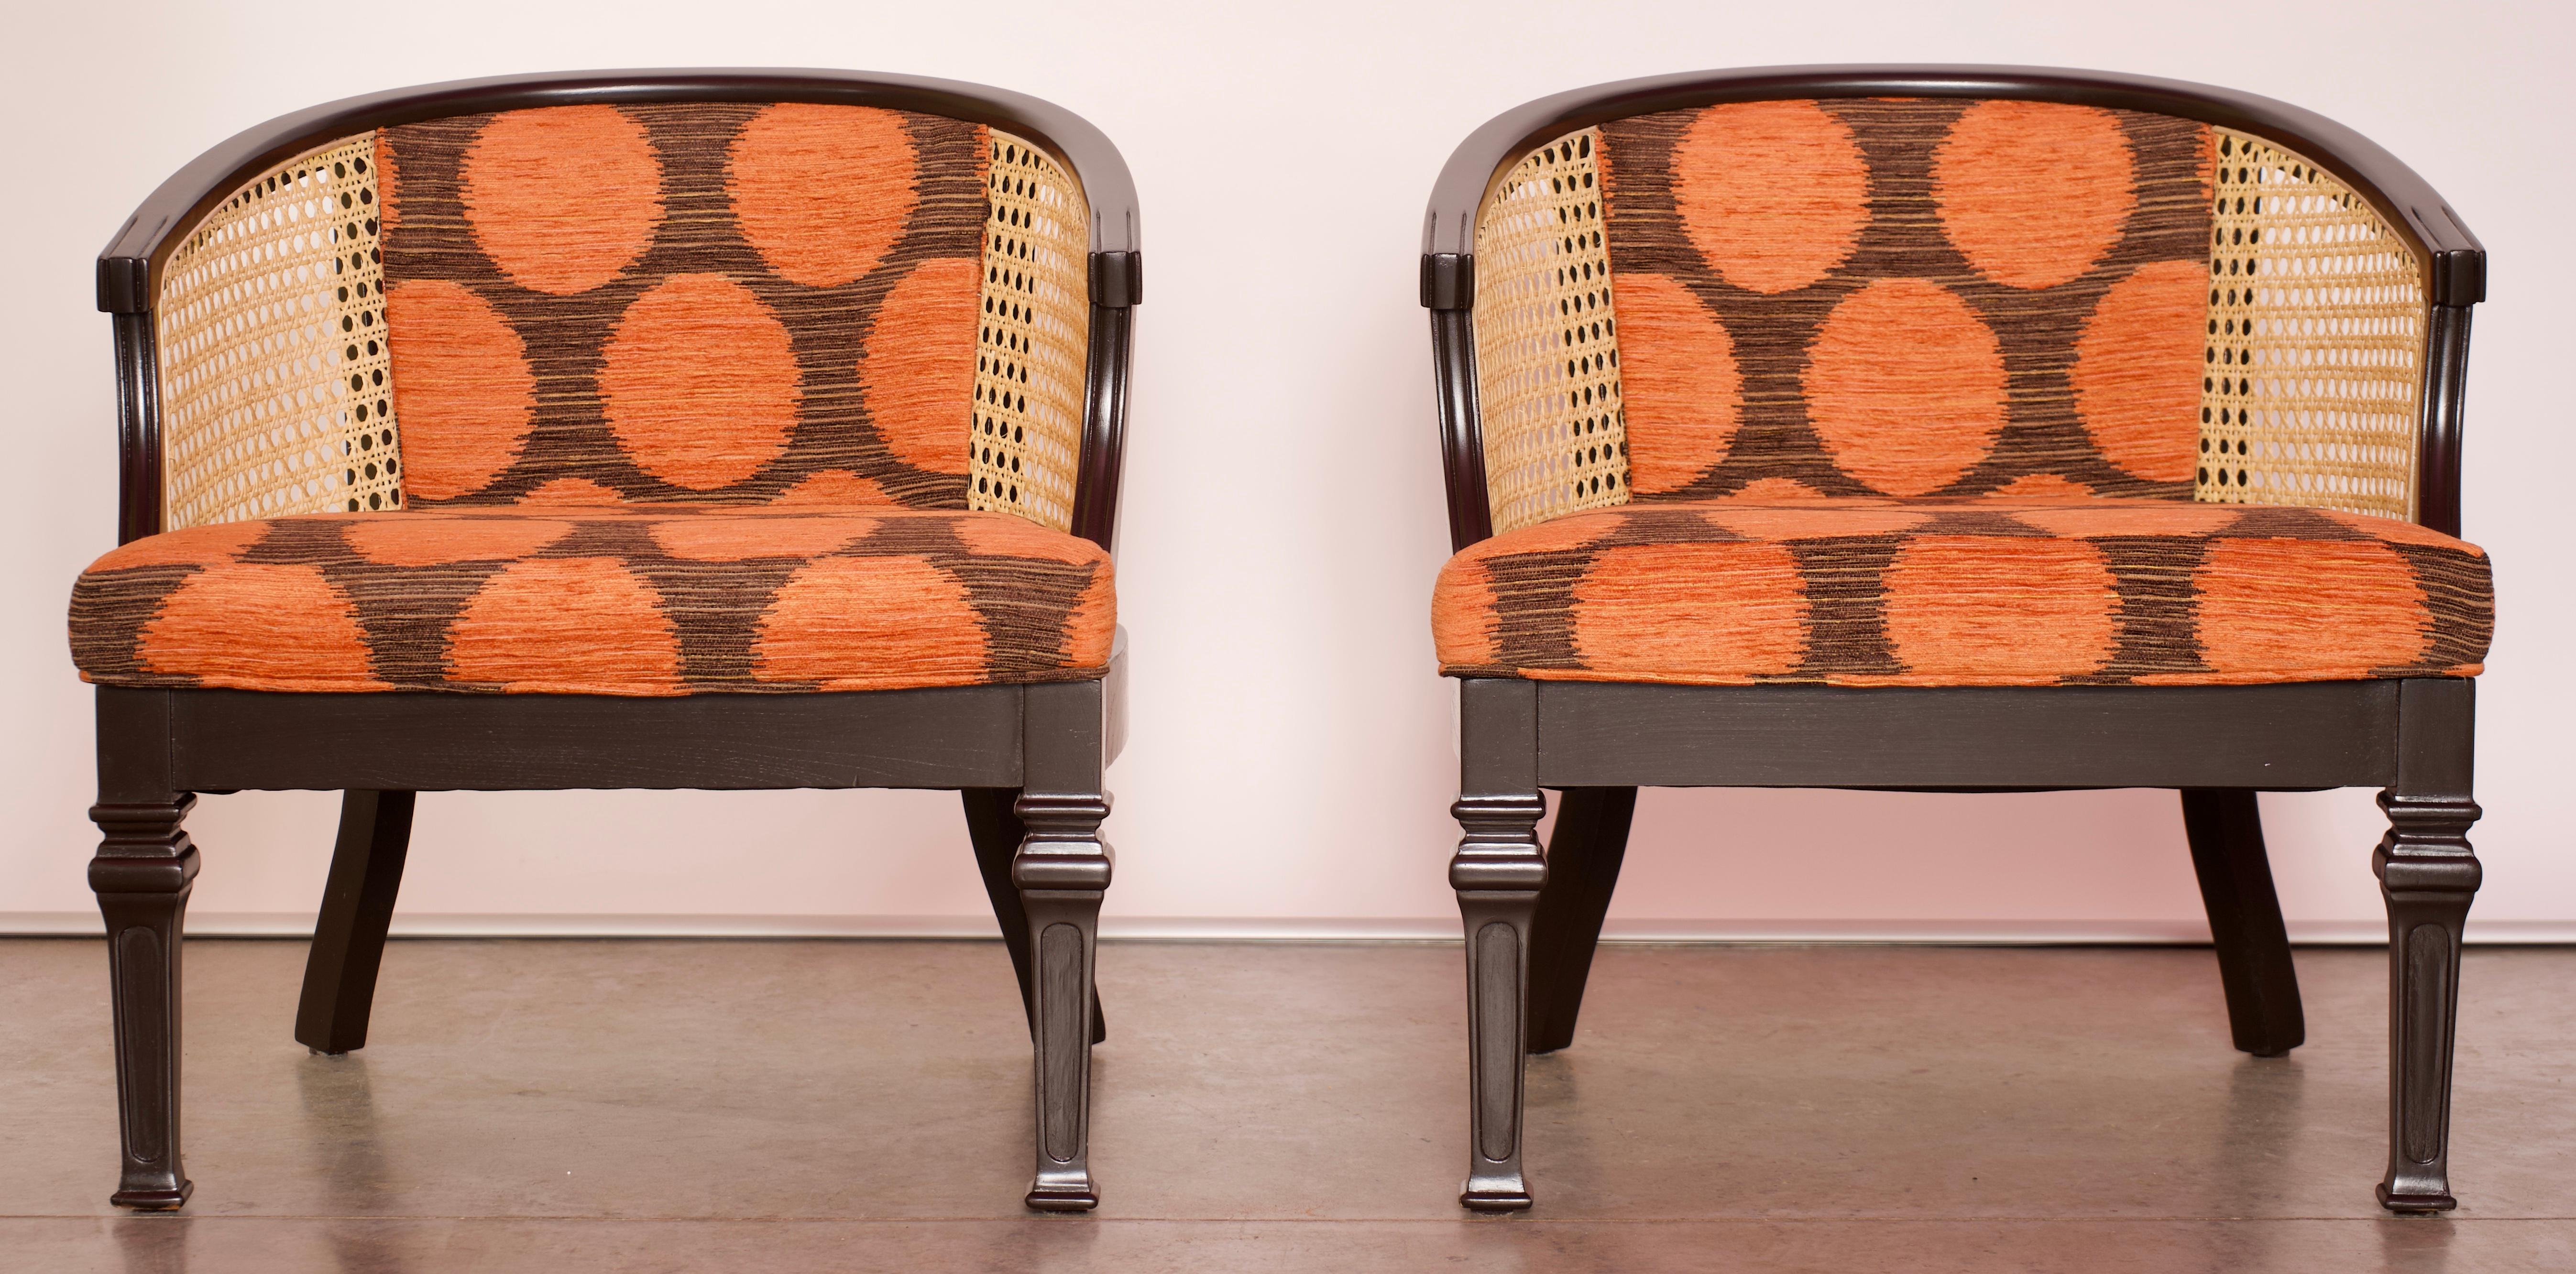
(663, 599)
(643, 399)
(1923, 391)
(1942, 592)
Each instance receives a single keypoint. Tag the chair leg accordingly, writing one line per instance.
(357, 909)
(997, 831)
(142, 875)
(1498, 872)
(1583, 857)
(1061, 871)
(2428, 874)
(2225, 827)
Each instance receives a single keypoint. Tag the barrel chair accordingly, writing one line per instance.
(660, 429)
(1952, 429)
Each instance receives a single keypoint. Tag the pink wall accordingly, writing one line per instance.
(1292, 762)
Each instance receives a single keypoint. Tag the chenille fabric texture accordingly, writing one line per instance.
(706, 302)
(662, 599)
(1911, 297)
(1940, 592)
(1911, 393)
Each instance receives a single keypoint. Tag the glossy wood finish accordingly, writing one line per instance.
(157, 745)
(1061, 870)
(357, 910)
(2218, 743)
(142, 874)
(2225, 828)
(993, 822)
(1498, 872)
(2428, 874)
(1584, 851)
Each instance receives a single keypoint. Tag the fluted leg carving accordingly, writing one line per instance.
(142, 875)
(1498, 872)
(2428, 874)
(1061, 871)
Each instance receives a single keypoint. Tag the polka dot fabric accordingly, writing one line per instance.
(1964, 591)
(665, 599)
(1909, 297)
(702, 302)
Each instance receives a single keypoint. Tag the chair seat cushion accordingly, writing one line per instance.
(647, 600)
(1962, 592)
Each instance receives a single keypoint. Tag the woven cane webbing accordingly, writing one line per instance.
(275, 393)
(1026, 443)
(1547, 345)
(2316, 335)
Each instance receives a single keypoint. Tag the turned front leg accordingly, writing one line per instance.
(2428, 874)
(142, 875)
(1061, 870)
(1498, 872)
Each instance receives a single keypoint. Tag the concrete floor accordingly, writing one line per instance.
(817, 1106)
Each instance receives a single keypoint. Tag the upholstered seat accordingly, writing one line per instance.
(667, 599)
(1964, 592)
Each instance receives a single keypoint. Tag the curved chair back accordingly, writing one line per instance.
(1941, 281)
(712, 286)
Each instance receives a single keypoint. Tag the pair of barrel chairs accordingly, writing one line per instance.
(1940, 429)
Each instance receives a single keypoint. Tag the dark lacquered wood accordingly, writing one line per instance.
(947, 737)
(2428, 874)
(1047, 742)
(993, 823)
(2311, 735)
(2225, 828)
(357, 911)
(1498, 873)
(1062, 868)
(142, 874)
(2233, 739)
(1584, 850)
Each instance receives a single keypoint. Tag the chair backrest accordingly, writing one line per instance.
(1790, 293)
(732, 301)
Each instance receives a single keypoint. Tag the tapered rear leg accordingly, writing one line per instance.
(357, 909)
(1583, 856)
(997, 831)
(2225, 827)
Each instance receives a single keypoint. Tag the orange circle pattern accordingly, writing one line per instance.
(1867, 591)
(790, 152)
(2034, 193)
(562, 199)
(1681, 409)
(680, 301)
(1905, 386)
(1773, 194)
(700, 348)
(1909, 297)
(1969, 609)
(663, 599)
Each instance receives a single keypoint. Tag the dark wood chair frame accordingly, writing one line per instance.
(1533, 917)
(1027, 758)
